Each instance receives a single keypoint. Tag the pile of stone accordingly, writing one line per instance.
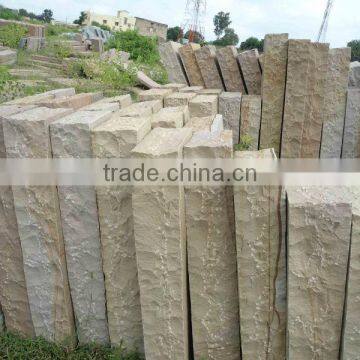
(7, 56)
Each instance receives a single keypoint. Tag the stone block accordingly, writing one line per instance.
(178, 99)
(8, 57)
(229, 108)
(273, 90)
(97, 45)
(171, 117)
(122, 100)
(200, 124)
(351, 142)
(74, 102)
(191, 89)
(27, 135)
(218, 124)
(32, 100)
(212, 257)
(169, 53)
(97, 96)
(115, 139)
(174, 87)
(143, 79)
(354, 78)
(230, 70)
(142, 109)
(217, 92)
(102, 106)
(203, 105)
(251, 70)
(71, 138)
(260, 241)
(192, 69)
(154, 94)
(206, 59)
(61, 93)
(251, 119)
(161, 252)
(335, 102)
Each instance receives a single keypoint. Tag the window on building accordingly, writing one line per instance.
(116, 23)
(125, 21)
(104, 22)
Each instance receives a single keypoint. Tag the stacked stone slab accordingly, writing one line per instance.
(351, 141)
(206, 59)
(154, 94)
(141, 109)
(251, 119)
(250, 68)
(212, 257)
(71, 138)
(273, 90)
(75, 102)
(171, 117)
(178, 99)
(319, 231)
(260, 242)
(230, 70)
(200, 124)
(122, 100)
(191, 89)
(187, 54)
(335, 103)
(115, 139)
(203, 105)
(174, 87)
(216, 92)
(37, 212)
(229, 108)
(160, 240)
(169, 53)
(354, 78)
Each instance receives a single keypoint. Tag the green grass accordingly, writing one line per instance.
(13, 347)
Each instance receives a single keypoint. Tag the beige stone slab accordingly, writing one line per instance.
(175, 87)
(230, 70)
(154, 94)
(161, 252)
(251, 70)
(260, 241)
(171, 117)
(251, 119)
(191, 89)
(75, 102)
(200, 123)
(102, 106)
(178, 99)
(192, 69)
(122, 100)
(206, 59)
(142, 109)
(217, 92)
(32, 100)
(60, 93)
(203, 105)
(273, 90)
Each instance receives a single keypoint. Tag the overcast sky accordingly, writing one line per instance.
(300, 18)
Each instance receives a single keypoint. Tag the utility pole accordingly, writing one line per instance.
(195, 12)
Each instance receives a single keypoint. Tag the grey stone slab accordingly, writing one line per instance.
(354, 78)
(335, 103)
(218, 124)
(187, 55)
(251, 119)
(203, 106)
(273, 90)
(102, 106)
(230, 70)
(251, 70)
(38, 218)
(160, 241)
(178, 99)
(229, 108)
(71, 137)
(174, 87)
(60, 93)
(122, 100)
(191, 89)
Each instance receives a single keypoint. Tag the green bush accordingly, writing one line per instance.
(56, 30)
(141, 48)
(9, 14)
(245, 143)
(4, 75)
(10, 35)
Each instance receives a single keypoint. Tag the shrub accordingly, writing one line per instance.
(9, 14)
(245, 143)
(141, 48)
(56, 30)
(10, 35)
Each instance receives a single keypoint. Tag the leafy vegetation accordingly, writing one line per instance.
(9, 14)
(174, 33)
(252, 43)
(221, 22)
(229, 38)
(57, 30)
(10, 35)
(245, 143)
(355, 50)
(81, 18)
(194, 36)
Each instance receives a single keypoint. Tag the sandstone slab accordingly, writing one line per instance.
(174, 87)
(122, 100)
(251, 70)
(191, 89)
(142, 109)
(102, 106)
(251, 119)
(203, 105)
(217, 92)
(200, 124)
(75, 102)
(178, 99)
(354, 78)
(171, 117)
(60, 93)
(192, 69)
(154, 94)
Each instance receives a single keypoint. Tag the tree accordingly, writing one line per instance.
(81, 18)
(355, 50)
(101, 26)
(221, 23)
(174, 33)
(46, 16)
(252, 43)
(229, 38)
(197, 37)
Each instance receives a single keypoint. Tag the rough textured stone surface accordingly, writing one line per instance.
(116, 138)
(273, 90)
(174, 87)
(37, 211)
(203, 105)
(71, 137)
(206, 59)
(75, 102)
(32, 100)
(218, 124)
(187, 54)
(210, 92)
(260, 242)
(60, 93)
(160, 240)
(335, 102)
(169, 53)
(122, 100)
(142, 109)
(191, 89)
(351, 142)
(200, 123)
(250, 119)
(154, 94)
(230, 70)
(178, 99)
(354, 78)
(319, 230)
(143, 79)
(229, 108)
(250, 68)
(102, 106)
(212, 257)
(171, 117)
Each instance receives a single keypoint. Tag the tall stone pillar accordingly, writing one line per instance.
(251, 70)
(71, 138)
(187, 55)
(212, 257)
(160, 240)
(251, 119)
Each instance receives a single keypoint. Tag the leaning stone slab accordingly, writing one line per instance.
(335, 102)
(273, 90)
(178, 99)
(71, 138)
(142, 109)
(230, 70)
(206, 59)
(212, 257)
(203, 105)
(192, 69)
(115, 139)
(251, 119)
(38, 218)
(75, 102)
(161, 252)
(351, 142)
(354, 78)
(169, 53)
(143, 79)
(171, 117)
(319, 231)
(154, 94)
(229, 108)
(191, 89)
(260, 239)
(251, 70)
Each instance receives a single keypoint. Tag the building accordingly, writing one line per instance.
(151, 28)
(121, 22)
